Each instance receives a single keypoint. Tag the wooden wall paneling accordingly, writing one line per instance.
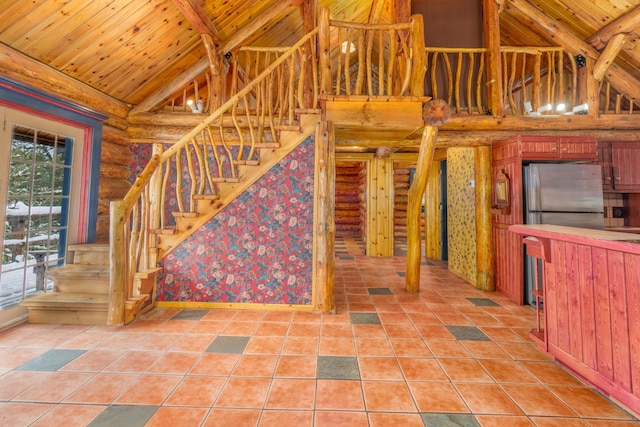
(573, 268)
(619, 325)
(380, 222)
(632, 278)
(603, 314)
(551, 308)
(562, 295)
(362, 198)
(587, 315)
(433, 213)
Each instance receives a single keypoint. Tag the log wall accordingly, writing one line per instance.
(115, 155)
(350, 199)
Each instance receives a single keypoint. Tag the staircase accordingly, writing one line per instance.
(80, 289)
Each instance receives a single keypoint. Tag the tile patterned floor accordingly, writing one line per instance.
(450, 356)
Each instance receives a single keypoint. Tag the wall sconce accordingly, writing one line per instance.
(351, 46)
(581, 109)
(545, 108)
(196, 107)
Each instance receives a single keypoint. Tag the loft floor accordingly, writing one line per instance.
(451, 355)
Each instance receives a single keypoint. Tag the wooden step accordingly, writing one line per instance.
(68, 308)
(89, 253)
(80, 278)
(205, 201)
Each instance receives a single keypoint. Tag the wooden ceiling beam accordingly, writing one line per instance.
(248, 32)
(620, 80)
(608, 55)
(167, 90)
(623, 24)
(197, 17)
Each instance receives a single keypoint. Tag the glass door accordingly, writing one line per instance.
(36, 200)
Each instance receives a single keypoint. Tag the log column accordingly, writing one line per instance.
(485, 271)
(324, 205)
(434, 113)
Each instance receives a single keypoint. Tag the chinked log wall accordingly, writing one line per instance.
(115, 156)
(351, 198)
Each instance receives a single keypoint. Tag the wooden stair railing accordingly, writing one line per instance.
(202, 158)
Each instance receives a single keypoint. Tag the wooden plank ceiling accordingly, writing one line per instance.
(129, 49)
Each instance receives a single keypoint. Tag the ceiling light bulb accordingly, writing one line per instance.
(351, 47)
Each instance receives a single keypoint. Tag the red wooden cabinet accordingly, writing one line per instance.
(567, 148)
(625, 166)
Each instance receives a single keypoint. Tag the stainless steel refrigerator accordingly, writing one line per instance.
(567, 194)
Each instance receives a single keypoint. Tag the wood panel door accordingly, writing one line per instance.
(625, 158)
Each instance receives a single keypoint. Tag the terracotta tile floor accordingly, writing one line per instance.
(450, 356)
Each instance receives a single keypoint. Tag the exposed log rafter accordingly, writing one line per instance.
(198, 18)
(623, 24)
(251, 31)
(620, 80)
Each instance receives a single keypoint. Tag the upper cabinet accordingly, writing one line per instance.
(620, 162)
(557, 148)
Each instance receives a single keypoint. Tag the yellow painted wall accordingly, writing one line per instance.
(461, 221)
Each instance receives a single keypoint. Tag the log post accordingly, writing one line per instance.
(485, 273)
(324, 224)
(435, 113)
(417, 189)
(117, 273)
(589, 87)
(419, 65)
(308, 24)
(324, 49)
(491, 13)
(217, 73)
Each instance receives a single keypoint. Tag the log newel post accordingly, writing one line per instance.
(485, 257)
(434, 113)
(324, 225)
(117, 255)
(324, 49)
(419, 56)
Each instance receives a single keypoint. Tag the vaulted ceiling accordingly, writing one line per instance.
(130, 49)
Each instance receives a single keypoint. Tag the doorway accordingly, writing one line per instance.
(350, 207)
(38, 208)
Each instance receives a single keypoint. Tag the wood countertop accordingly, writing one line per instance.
(624, 242)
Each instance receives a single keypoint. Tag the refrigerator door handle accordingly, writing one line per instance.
(534, 187)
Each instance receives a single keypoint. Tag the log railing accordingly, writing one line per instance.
(191, 168)
(457, 76)
(614, 102)
(535, 76)
(538, 76)
(371, 59)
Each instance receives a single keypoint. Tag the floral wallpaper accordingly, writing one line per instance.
(258, 249)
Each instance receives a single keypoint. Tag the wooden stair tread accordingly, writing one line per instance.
(80, 271)
(86, 247)
(66, 300)
(148, 272)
